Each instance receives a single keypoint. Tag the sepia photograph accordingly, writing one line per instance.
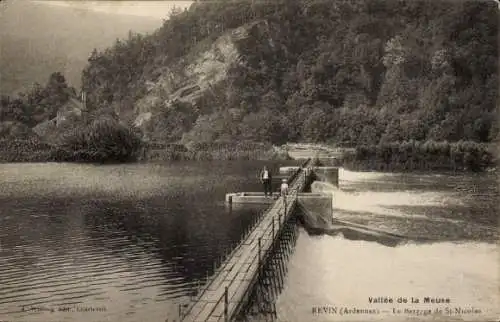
(249, 160)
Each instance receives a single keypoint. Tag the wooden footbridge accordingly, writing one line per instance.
(225, 294)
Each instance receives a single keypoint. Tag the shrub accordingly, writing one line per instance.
(103, 140)
(429, 155)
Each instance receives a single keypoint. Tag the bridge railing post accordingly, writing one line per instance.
(273, 228)
(260, 255)
(226, 304)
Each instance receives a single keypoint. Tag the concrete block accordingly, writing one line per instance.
(250, 197)
(316, 209)
(327, 174)
(288, 170)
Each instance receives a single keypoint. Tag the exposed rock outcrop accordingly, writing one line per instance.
(189, 81)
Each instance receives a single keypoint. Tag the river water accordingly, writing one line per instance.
(451, 225)
(130, 242)
(114, 243)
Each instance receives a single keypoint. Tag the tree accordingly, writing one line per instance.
(314, 129)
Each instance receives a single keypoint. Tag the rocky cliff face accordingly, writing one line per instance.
(197, 74)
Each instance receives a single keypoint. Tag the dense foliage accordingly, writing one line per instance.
(101, 141)
(216, 151)
(429, 155)
(35, 105)
(350, 73)
(25, 150)
(104, 139)
(91, 137)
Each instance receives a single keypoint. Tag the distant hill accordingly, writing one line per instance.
(37, 40)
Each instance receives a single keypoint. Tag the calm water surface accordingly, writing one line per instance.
(135, 240)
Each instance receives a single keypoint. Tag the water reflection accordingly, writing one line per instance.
(186, 236)
(134, 238)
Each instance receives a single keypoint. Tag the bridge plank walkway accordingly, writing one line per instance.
(240, 270)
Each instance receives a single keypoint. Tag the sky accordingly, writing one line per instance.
(152, 9)
(38, 37)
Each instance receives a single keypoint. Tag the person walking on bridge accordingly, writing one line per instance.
(284, 188)
(265, 178)
(284, 191)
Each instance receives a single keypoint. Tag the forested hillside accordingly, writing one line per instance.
(352, 73)
(349, 73)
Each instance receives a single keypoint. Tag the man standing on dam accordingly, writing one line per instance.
(265, 178)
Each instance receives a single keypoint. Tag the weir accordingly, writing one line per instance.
(227, 293)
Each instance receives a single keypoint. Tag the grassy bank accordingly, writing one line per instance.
(26, 150)
(402, 156)
(102, 140)
(425, 156)
(32, 150)
(216, 151)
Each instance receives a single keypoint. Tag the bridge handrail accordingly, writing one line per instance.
(299, 169)
(263, 256)
(266, 231)
(294, 191)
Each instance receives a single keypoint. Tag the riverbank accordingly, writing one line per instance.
(216, 151)
(422, 156)
(26, 150)
(460, 156)
(31, 150)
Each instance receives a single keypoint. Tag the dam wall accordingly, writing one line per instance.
(316, 210)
